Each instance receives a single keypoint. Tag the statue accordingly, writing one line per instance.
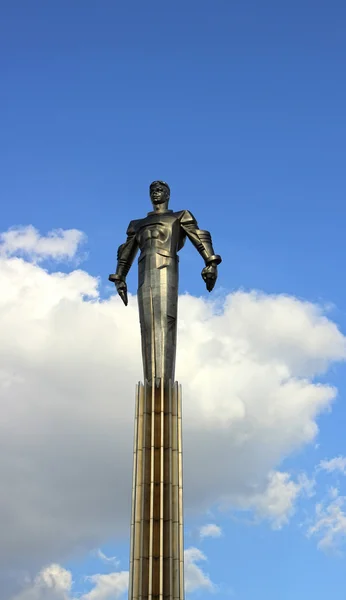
(157, 524)
(159, 236)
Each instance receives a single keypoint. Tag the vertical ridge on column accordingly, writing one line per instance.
(180, 490)
(169, 494)
(134, 484)
(176, 591)
(162, 490)
(151, 487)
(145, 509)
(137, 493)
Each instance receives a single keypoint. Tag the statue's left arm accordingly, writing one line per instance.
(202, 241)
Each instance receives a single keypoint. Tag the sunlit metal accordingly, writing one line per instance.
(157, 544)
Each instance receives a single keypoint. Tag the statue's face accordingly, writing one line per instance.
(159, 193)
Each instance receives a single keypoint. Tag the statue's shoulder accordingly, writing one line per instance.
(133, 226)
(185, 217)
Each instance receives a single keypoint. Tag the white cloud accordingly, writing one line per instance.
(69, 361)
(52, 583)
(107, 587)
(195, 578)
(277, 502)
(210, 530)
(55, 577)
(329, 526)
(338, 463)
(58, 244)
(106, 559)
(55, 583)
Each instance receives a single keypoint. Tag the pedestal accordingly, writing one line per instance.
(157, 549)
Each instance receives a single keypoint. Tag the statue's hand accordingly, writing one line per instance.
(122, 290)
(209, 275)
(121, 286)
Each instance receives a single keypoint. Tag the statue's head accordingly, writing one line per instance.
(159, 193)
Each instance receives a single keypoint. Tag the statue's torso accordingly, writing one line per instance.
(160, 233)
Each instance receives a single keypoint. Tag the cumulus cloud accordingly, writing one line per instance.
(277, 502)
(52, 583)
(59, 244)
(55, 583)
(69, 361)
(329, 526)
(195, 577)
(210, 530)
(247, 374)
(107, 587)
(336, 464)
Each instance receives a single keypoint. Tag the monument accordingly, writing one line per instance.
(157, 550)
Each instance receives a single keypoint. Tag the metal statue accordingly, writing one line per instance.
(159, 236)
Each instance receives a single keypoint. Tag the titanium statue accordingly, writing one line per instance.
(159, 236)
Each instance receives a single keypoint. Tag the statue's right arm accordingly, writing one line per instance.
(125, 257)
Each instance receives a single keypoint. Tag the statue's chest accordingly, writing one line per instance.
(157, 230)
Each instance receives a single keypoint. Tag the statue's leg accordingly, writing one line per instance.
(157, 301)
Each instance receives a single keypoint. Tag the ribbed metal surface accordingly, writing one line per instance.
(157, 554)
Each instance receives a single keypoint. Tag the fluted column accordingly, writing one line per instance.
(157, 547)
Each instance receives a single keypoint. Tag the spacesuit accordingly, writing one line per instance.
(159, 236)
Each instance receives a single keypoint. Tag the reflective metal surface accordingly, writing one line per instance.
(159, 236)
(157, 544)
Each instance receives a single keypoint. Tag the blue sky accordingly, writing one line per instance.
(240, 106)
